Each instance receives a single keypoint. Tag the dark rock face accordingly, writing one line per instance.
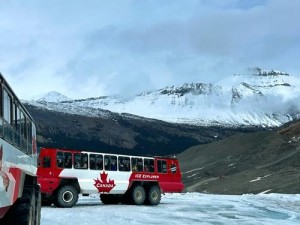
(195, 89)
(121, 133)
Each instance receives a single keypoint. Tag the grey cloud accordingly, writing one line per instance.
(135, 45)
(227, 33)
(203, 46)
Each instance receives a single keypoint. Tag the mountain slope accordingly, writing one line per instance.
(245, 163)
(120, 133)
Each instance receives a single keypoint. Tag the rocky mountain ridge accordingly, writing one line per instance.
(252, 98)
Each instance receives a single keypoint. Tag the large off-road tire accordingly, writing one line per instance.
(47, 201)
(110, 199)
(24, 210)
(153, 195)
(138, 195)
(66, 196)
(38, 203)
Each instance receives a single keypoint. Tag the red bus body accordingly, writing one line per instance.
(113, 176)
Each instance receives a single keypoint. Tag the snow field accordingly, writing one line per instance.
(186, 208)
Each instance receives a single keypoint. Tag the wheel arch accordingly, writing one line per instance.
(69, 181)
(145, 184)
(25, 180)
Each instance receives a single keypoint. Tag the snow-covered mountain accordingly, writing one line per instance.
(252, 98)
(52, 96)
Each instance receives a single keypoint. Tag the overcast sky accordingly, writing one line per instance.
(89, 48)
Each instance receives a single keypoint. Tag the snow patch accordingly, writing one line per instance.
(53, 96)
(193, 170)
(257, 179)
(266, 191)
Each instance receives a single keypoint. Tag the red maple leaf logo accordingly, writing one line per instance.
(103, 185)
(5, 180)
(3, 174)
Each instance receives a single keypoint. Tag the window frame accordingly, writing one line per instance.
(160, 166)
(96, 157)
(110, 163)
(124, 166)
(81, 161)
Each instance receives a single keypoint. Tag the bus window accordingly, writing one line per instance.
(149, 165)
(161, 166)
(124, 163)
(7, 106)
(110, 162)
(92, 161)
(23, 124)
(15, 116)
(80, 160)
(18, 120)
(29, 130)
(68, 160)
(99, 162)
(96, 162)
(64, 159)
(137, 164)
(7, 115)
(173, 168)
(17, 126)
(59, 159)
(45, 162)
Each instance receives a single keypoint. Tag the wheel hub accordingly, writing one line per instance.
(68, 196)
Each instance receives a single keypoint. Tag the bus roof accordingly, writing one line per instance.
(104, 153)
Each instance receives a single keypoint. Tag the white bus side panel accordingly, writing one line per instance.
(87, 180)
(12, 158)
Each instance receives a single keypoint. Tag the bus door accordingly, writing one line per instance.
(175, 175)
(44, 164)
(45, 173)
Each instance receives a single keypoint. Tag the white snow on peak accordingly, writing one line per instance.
(255, 98)
(53, 96)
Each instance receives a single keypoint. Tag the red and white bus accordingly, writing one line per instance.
(20, 199)
(64, 174)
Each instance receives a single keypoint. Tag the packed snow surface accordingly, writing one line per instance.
(186, 208)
